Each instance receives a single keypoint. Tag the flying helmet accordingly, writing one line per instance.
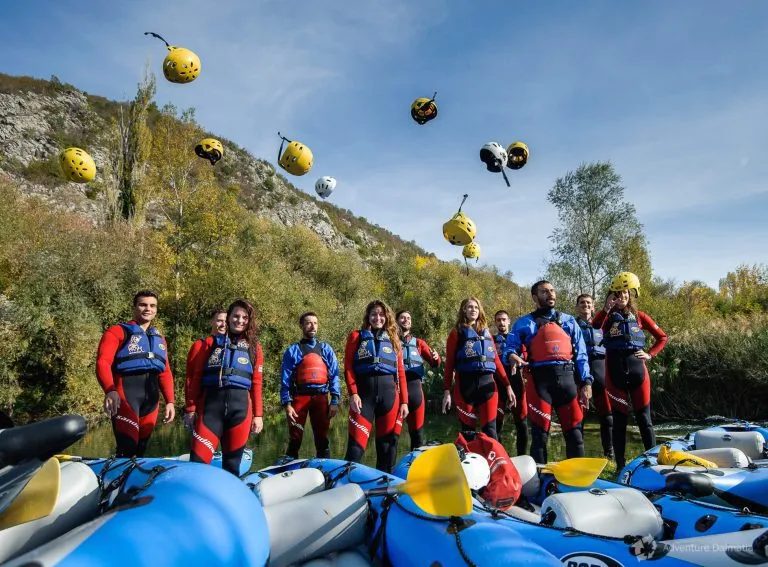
(471, 250)
(494, 156)
(180, 65)
(77, 165)
(296, 159)
(424, 109)
(210, 149)
(626, 280)
(460, 230)
(517, 155)
(477, 470)
(325, 186)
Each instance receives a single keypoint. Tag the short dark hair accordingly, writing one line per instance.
(143, 293)
(535, 287)
(582, 296)
(500, 312)
(305, 315)
(397, 316)
(216, 311)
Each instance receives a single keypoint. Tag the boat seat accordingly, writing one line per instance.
(751, 443)
(77, 504)
(725, 457)
(529, 475)
(614, 512)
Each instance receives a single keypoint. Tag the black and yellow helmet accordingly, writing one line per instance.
(296, 159)
(77, 165)
(471, 250)
(626, 280)
(210, 149)
(181, 65)
(517, 155)
(424, 109)
(459, 230)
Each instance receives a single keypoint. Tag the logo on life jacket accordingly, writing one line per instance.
(362, 350)
(215, 358)
(242, 360)
(134, 346)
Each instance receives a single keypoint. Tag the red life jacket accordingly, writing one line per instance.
(504, 488)
(550, 343)
(312, 369)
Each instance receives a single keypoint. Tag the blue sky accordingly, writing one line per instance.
(675, 94)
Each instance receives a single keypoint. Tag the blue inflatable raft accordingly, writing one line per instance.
(609, 524)
(739, 478)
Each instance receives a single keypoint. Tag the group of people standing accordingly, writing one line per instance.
(543, 362)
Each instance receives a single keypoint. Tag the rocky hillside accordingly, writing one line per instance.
(39, 118)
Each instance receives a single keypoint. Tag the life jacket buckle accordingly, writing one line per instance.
(151, 355)
(376, 360)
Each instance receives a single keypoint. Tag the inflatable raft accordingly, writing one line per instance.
(725, 465)
(322, 506)
(609, 524)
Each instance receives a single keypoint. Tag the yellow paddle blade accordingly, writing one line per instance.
(38, 498)
(578, 471)
(437, 484)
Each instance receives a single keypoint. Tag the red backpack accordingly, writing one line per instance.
(505, 485)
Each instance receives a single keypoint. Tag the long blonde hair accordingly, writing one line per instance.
(461, 319)
(390, 324)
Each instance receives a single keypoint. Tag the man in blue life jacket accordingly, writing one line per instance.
(310, 373)
(520, 410)
(556, 354)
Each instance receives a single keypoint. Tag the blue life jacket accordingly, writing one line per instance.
(375, 355)
(624, 333)
(593, 339)
(231, 361)
(412, 360)
(141, 351)
(501, 341)
(475, 354)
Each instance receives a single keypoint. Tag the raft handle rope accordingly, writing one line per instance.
(125, 497)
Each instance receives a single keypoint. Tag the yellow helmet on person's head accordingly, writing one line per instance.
(296, 159)
(77, 165)
(471, 250)
(181, 65)
(517, 155)
(424, 109)
(460, 230)
(210, 149)
(626, 280)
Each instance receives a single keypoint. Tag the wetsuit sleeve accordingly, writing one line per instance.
(650, 325)
(581, 358)
(349, 362)
(515, 338)
(166, 378)
(501, 373)
(333, 373)
(194, 351)
(450, 359)
(286, 374)
(599, 319)
(195, 375)
(426, 353)
(105, 356)
(401, 379)
(256, 382)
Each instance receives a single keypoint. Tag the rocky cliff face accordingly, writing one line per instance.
(40, 118)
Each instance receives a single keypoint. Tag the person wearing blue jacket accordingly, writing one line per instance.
(310, 373)
(556, 360)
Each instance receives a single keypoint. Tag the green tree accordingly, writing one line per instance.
(598, 232)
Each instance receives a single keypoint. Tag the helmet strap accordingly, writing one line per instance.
(284, 140)
(504, 174)
(462, 201)
(168, 45)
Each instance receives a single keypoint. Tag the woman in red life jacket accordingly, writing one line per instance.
(132, 369)
(471, 361)
(593, 340)
(378, 393)
(626, 373)
(415, 353)
(225, 390)
(218, 324)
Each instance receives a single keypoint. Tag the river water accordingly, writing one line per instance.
(172, 439)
